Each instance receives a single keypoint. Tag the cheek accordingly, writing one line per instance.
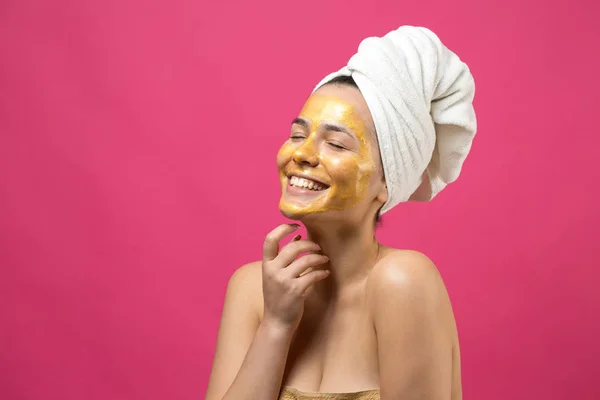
(366, 170)
(369, 166)
(284, 155)
(354, 176)
(344, 169)
(346, 172)
(365, 175)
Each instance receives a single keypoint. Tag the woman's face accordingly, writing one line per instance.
(331, 160)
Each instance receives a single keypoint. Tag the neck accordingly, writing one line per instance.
(352, 252)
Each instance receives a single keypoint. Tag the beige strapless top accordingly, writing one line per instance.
(289, 393)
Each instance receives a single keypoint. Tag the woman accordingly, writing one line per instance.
(337, 315)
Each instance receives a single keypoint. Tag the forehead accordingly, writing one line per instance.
(343, 104)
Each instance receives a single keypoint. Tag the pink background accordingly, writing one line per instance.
(137, 171)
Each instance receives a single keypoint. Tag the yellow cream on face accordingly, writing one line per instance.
(348, 172)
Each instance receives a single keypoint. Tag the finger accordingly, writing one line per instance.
(303, 263)
(309, 269)
(271, 244)
(303, 283)
(292, 250)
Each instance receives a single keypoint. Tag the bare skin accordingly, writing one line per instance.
(337, 311)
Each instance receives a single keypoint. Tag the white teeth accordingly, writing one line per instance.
(305, 183)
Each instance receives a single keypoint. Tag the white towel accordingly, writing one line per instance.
(420, 95)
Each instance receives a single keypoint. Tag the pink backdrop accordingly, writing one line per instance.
(137, 171)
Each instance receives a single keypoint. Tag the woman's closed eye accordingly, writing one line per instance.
(297, 136)
(337, 145)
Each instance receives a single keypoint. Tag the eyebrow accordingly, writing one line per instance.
(301, 121)
(328, 126)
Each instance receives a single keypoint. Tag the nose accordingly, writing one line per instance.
(306, 154)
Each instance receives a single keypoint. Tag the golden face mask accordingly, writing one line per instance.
(330, 144)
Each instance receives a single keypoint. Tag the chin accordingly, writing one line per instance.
(298, 213)
(294, 214)
(313, 217)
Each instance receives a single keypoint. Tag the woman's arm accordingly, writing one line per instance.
(239, 322)
(251, 354)
(412, 317)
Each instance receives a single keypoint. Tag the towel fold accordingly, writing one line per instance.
(420, 95)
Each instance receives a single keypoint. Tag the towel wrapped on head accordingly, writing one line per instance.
(420, 95)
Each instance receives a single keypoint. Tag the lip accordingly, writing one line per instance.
(295, 190)
(305, 176)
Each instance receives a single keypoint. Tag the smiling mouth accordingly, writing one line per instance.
(306, 184)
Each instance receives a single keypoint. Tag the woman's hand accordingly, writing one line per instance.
(283, 278)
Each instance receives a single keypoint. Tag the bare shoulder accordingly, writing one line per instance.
(408, 278)
(405, 269)
(417, 339)
(246, 282)
(247, 273)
